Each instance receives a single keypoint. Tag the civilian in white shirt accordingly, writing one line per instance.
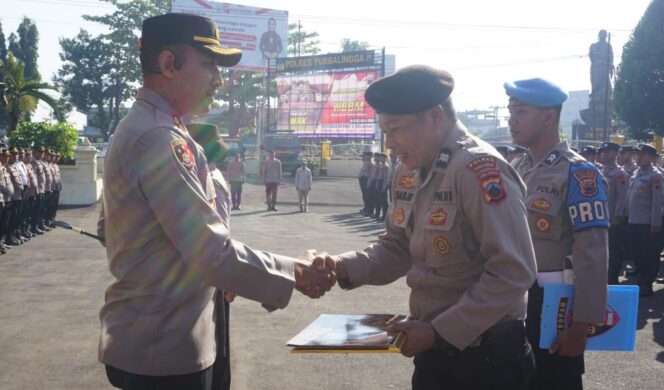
(303, 180)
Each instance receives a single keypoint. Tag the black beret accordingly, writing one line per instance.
(610, 146)
(193, 30)
(411, 90)
(647, 149)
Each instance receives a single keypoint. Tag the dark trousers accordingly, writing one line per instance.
(201, 380)
(365, 193)
(646, 253)
(14, 219)
(617, 250)
(222, 366)
(271, 194)
(3, 222)
(236, 193)
(503, 360)
(553, 372)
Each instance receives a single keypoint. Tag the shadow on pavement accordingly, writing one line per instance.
(357, 223)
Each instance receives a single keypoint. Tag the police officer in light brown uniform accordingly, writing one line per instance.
(645, 217)
(457, 230)
(168, 248)
(617, 180)
(569, 220)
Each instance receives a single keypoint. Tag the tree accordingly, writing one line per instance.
(3, 45)
(3, 58)
(348, 44)
(121, 59)
(639, 91)
(25, 48)
(242, 92)
(301, 42)
(61, 137)
(21, 94)
(84, 78)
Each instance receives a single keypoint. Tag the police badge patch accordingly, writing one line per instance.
(441, 246)
(587, 179)
(487, 172)
(183, 154)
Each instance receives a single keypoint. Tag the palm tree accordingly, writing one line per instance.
(21, 95)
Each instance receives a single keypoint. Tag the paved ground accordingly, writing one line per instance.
(51, 290)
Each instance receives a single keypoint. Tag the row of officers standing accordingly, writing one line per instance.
(375, 177)
(30, 185)
(636, 207)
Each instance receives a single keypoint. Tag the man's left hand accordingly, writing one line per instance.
(572, 342)
(419, 336)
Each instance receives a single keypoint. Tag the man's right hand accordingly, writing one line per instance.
(317, 278)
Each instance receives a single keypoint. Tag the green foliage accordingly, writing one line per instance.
(100, 73)
(3, 45)
(348, 44)
(25, 48)
(84, 79)
(60, 137)
(21, 94)
(300, 42)
(639, 89)
(4, 119)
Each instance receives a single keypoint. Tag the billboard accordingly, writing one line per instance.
(355, 59)
(261, 33)
(326, 105)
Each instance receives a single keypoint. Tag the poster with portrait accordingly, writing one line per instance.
(261, 33)
(326, 105)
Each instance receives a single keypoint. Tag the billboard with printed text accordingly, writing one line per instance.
(261, 33)
(326, 105)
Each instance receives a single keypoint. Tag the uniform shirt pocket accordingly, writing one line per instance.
(544, 216)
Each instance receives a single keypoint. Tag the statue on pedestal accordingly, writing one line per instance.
(598, 113)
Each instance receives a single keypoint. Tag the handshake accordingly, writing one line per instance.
(317, 278)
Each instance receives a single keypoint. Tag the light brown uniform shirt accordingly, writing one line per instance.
(168, 249)
(38, 168)
(568, 216)
(618, 182)
(460, 235)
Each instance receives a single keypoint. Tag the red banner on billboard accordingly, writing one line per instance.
(326, 105)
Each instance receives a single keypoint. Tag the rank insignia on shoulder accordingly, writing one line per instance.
(183, 154)
(552, 158)
(441, 246)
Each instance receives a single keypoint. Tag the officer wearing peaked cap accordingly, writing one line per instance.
(457, 231)
(568, 216)
(618, 181)
(168, 248)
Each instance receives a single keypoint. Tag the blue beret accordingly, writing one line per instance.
(536, 92)
(411, 90)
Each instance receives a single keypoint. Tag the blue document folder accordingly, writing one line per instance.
(616, 333)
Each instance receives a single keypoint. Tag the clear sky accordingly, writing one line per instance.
(482, 42)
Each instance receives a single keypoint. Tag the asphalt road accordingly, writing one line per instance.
(52, 288)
